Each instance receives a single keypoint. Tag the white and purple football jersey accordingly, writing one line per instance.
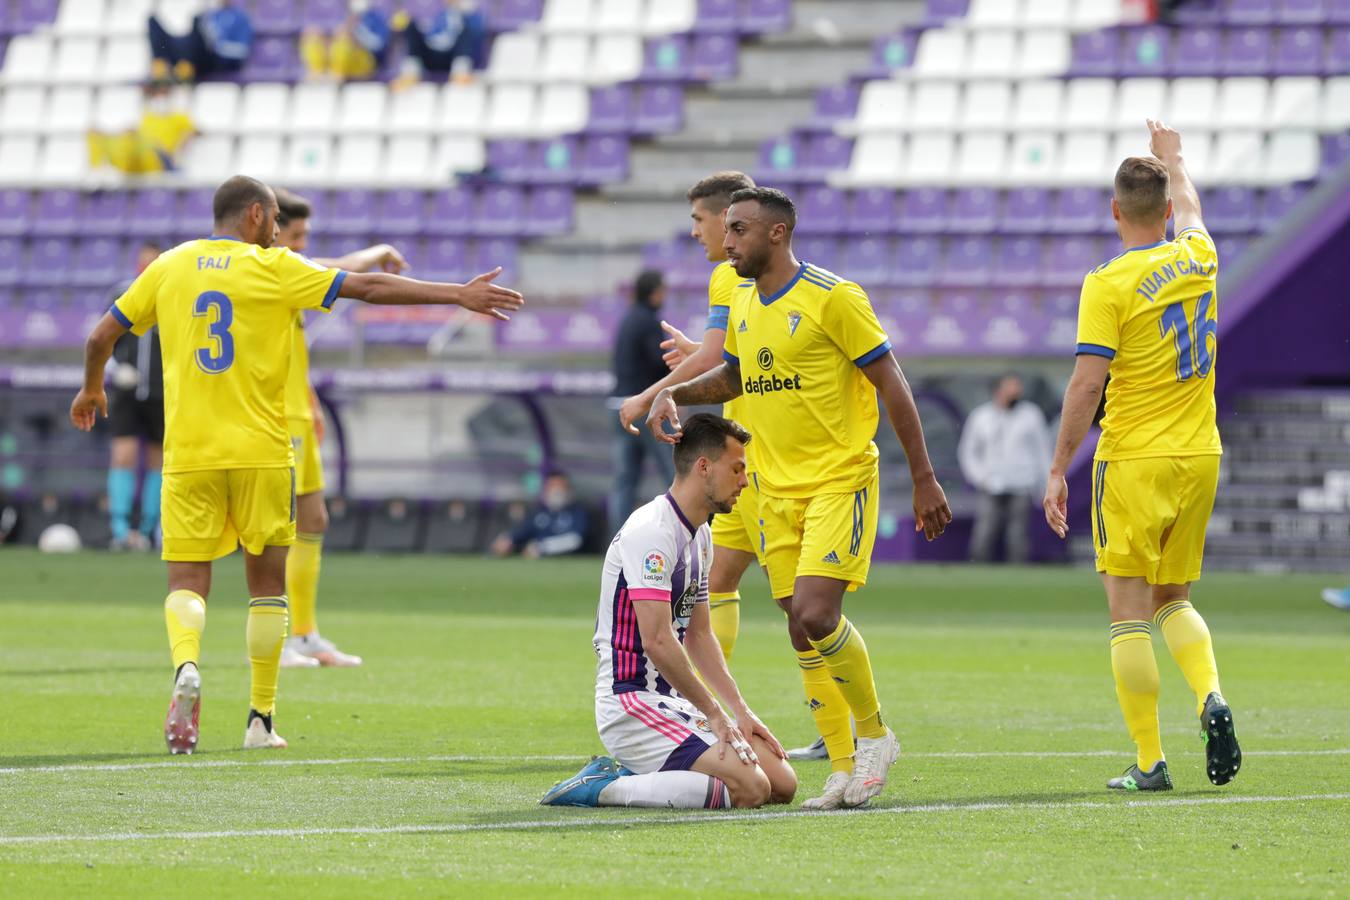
(657, 556)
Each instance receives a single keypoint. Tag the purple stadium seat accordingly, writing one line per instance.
(511, 160)
(488, 254)
(666, 58)
(56, 212)
(1230, 209)
(717, 15)
(1026, 210)
(1080, 209)
(1196, 51)
(400, 213)
(11, 260)
(1230, 248)
(604, 160)
(660, 109)
(1301, 12)
(46, 299)
(714, 57)
(868, 260)
(549, 211)
(826, 152)
(1068, 260)
(820, 251)
(923, 210)
(664, 255)
(1338, 52)
(1338, 12)
(759, 16)
(273, 59)
(325, 14)
(1017, 261)
(1145, 51)
(508, 15)
(871, 211)
(1250, 12)
(194, 212)
(48, 260)
(447, 258)
(1276, 204)
(836, 102)
(974, 210)
(8, 300)
(99, 262)
(782, 156)
(275, 17)
(611, 109)
(1335, 151)
(154, 209)
(916, 261)
(28, 14)
(1298, 51)
(424, 10)
(939, 11)
(1247, 51)
(1097, 53)
(501, 211)
(967, 262)
(105, 213)
(555, 161)
(14, 207)
(893, 52)
(821, 211)
(352, 212)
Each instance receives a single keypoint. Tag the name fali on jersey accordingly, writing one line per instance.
(212, 262)
(772, 383)
(1149, 287)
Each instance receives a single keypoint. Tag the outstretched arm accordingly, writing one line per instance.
(381, 256)
(704, 359)
(717, 386)
(932, 515)
(1081, 399)
(1165, 143)
(91, 400)
(479, 295)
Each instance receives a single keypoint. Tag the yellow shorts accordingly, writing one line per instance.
(739, 529)
(829, 535)
(308, 464)
(205, 515)
(1149, 516)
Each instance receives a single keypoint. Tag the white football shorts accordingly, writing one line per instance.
(650, 732)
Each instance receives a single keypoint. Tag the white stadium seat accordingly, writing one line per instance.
(359, 158)
(413, 110)
(118, 107)
(1040, 104)
(515, 57)
(176, 15)
(313, 108)
(309, 159)
(1291, 156)
(934, 105)
(206, 156)
(1243, 102)
(563, 109)
(616, 57)
(21, 108)
(260, 155)
(215, 106)
(1134, 142)
(18, 158)
(70, 109)
(81, 17)
(931, 159)
(458, 153)
(1090, 14)
(941, 52)
(877, 159)
(127, 18)
(983, 158)
(1083, 159)
(995, 13)
(987, 104)
(670, 16)
(1090, 103)
(65, 158)
(1044, 52)
(1192, 103)
(1295, 103)
(361, 106)
(1048, 13)
(992, 53)
(618, 15)
(463, 107)
(568, 15)
(1139, 99)
(29, 59)
(511, 111)
(567, 57)
(1336, 104)
(77, 60)
(883, 105)
(1035, 158)
(409, 157)
(263, 108)
(1237, 158)
(125, 59)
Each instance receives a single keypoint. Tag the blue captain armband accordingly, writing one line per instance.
(718, 317)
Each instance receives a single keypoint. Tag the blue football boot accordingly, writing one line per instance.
(583, 788)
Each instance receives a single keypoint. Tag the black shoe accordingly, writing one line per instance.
(1223, 756)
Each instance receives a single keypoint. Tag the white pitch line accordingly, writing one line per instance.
(703, 818)
(186, 765)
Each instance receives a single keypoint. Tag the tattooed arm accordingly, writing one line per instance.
(716, 386)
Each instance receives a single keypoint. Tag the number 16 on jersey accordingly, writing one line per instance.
(1195, 343)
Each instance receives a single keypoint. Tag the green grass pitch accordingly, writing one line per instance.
(419, 773)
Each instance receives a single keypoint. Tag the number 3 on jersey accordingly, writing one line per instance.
(1194, 355)
(219, 354)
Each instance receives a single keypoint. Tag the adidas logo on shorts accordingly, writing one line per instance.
(832, 558)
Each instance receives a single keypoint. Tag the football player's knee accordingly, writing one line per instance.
(782, 782)
(817, 620)
(749, 788)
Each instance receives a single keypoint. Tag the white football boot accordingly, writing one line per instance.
(185, 708)
(292, 658)
(317, 647)
(832, 796)
(259, 734)
(871, 762)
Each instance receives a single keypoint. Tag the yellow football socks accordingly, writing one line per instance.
(1188, 640)
(1136, 673)
(265, 633)
(185, 615)
(724, 609)
(302, 581)
(851, 669)
(829, 708)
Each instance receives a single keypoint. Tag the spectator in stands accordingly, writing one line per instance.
(557, 525)
(136, 416)
(638, 362)
(1004, 453)
(154, 144)
(357, 49)
(219, 42)
(452, 46)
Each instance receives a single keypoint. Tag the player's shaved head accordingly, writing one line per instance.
(774, 205)
(291, 206)
(236, 195)
(705, 435)
(715, 191)
(1142, 190)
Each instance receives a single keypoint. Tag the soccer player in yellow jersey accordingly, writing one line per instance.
(1149, 319)
(734, 534)
(306, 647)
(807, 355)
(225, 307)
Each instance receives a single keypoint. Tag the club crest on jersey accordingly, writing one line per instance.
(741, 328)
(794, 319)
(654, 567)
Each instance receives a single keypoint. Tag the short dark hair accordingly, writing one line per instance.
(149, 245)
(705, 434)
(718, 187)
(1142, 189)
(648, 283)
(291, 206)
(236, 195)
(777, 203)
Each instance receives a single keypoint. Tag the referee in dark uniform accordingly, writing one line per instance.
(136, 417)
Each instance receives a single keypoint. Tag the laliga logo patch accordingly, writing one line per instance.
(702, 725)
(794, 319)
(765, 358)
(654, 568)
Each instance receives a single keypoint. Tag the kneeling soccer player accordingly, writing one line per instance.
(672, 744)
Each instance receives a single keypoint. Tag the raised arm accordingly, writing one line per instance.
(1165, 143)
(91, 400)
(381, 256)
(704, 359)
(479, 295)
(716, 386)
(932, 515)
(1081, 399)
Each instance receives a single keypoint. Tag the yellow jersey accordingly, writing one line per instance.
(298, 404)
(811, 410)
(720, 287)
(226, 314)
(1154, 312)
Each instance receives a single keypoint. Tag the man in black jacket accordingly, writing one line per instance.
(638, 362)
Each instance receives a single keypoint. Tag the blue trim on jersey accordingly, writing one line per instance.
(726, 354)
(119, 316)
(223, 237)
(332, 295)
(1095, 350)
(785, 288)
(823, 274)
(719, 316)
(1125, 252)
(874, 354)
(820, 284)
